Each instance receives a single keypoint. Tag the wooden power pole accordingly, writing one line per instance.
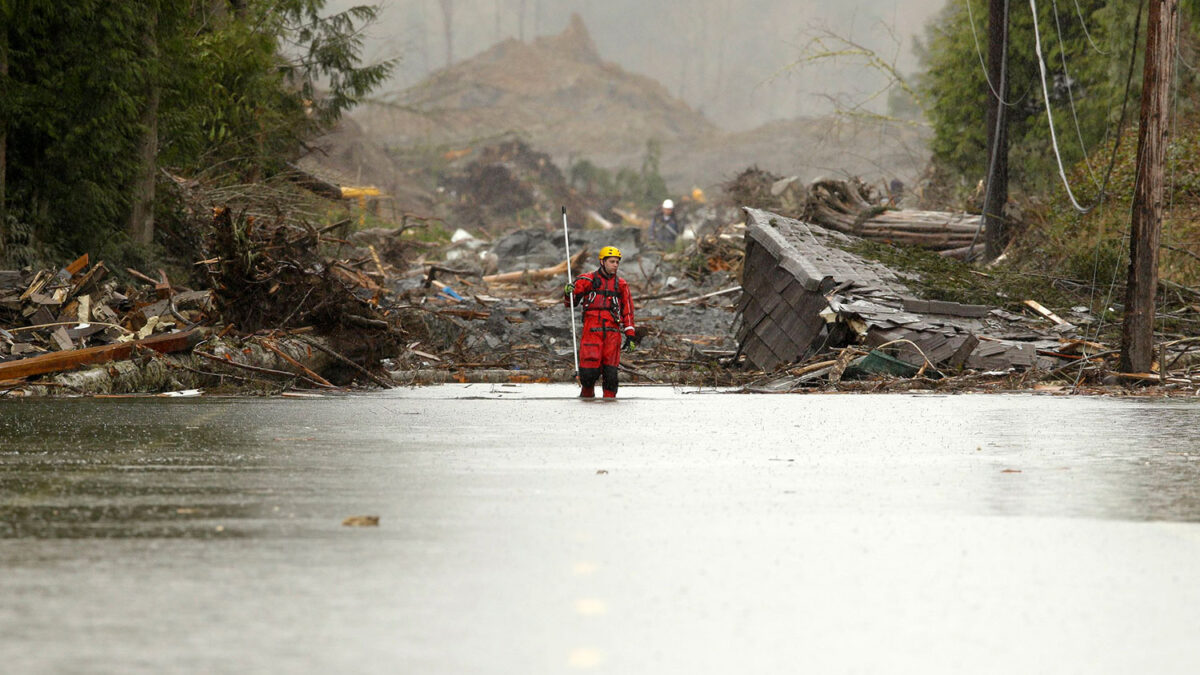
(1137, 333)
(996, 188)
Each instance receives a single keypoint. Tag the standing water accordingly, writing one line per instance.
(674, 531)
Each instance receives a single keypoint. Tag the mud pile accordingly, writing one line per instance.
(556, 91)
(558, 94)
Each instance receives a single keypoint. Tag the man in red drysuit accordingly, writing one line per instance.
(607, 315)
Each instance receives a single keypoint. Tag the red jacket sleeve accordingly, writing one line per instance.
(626, 307)
(583, 285)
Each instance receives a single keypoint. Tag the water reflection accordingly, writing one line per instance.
(1094, 458)
(126, 468)
(208, 468)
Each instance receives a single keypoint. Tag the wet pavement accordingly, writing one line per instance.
(674, 531)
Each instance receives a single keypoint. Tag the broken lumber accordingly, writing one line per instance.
(1041, 310)
(77, 266)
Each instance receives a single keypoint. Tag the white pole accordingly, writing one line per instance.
(571, 297)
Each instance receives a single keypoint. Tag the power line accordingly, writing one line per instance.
(1079, 13)
(1062, 173)
(1070, 96)
(979, 53)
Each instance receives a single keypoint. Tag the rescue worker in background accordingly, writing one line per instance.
(607, 316)
(664, 228)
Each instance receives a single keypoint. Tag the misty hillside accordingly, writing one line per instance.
(559, 94)
(556, 91)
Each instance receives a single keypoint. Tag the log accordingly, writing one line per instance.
(536, 275)
(253, 369)
(69, 360)
(961, 253)
(601, 220)
(851, 208)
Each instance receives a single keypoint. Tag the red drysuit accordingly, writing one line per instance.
(607, 316)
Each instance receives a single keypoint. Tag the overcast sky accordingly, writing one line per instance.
(731, 59)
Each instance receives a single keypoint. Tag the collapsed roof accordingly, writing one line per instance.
(803, 293)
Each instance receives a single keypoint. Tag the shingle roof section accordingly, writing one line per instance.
(804, 293)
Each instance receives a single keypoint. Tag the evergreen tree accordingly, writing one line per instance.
(1086, 52)
(98, 95)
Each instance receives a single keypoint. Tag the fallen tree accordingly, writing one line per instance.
(260, 363)
(538, 274)
(851, 207)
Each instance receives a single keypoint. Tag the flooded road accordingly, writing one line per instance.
(675, 531)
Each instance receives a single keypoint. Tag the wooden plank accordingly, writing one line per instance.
(77, 266)
(139, 275)
(39, 280)
(69, 360)
(61, 339)
(1037, 307)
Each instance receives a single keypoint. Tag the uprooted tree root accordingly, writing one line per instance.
(272, 276)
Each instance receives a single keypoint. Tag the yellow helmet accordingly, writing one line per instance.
(610, 252)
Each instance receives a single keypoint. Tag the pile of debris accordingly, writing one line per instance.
(503, 183)
(57, 320)
(514, 325)
(765, 190)
(280, 310)
(272, 275)
(814, 314)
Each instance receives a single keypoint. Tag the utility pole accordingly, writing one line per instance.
(1137, 332)
(996, 194)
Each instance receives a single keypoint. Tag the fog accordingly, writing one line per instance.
(735, 61)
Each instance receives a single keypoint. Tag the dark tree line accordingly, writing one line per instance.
(97, 96)
(1087, 48)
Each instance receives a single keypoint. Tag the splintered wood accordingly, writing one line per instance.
(54, 321)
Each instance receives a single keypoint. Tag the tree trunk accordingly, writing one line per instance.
(3, 135)
(1137, 333)
(448, 28)
(141, 216)
(996, 195)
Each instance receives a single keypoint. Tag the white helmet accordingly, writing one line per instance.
(668, 204)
